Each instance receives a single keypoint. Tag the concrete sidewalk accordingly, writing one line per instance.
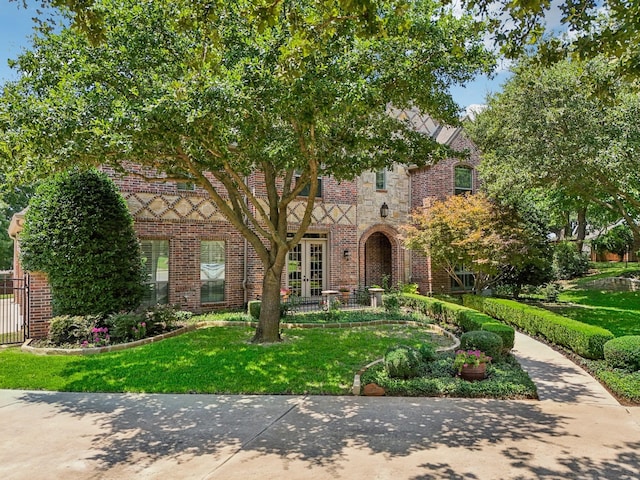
(574, 432)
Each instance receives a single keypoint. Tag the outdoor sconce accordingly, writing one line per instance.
(346, 254)
(384, 210)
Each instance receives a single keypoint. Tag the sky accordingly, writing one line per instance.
(16, 27)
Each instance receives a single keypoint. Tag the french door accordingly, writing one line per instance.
(306, 266)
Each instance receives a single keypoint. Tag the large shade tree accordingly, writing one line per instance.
(596, 27)
(581, 29)
(570, 131)
(201, 92)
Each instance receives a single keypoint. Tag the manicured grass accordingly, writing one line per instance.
(216, 360)
(610, 269)
(618, 312)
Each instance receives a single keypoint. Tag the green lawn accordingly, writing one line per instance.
(216, 360)
(618, 312)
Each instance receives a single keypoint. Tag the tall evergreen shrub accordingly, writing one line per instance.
(79, 231)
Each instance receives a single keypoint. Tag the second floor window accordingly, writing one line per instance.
(381, 179)
(305, 191)
(463, 180)
(186, 186)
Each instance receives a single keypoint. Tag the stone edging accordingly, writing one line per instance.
(355, 389)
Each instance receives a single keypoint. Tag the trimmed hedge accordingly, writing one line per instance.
(585, 340)
(468, 319)
(505, 332)
(253, 308)
(623, 352)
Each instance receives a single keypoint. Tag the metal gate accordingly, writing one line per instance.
(14, 309)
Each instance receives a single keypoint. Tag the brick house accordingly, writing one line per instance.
(196, 259)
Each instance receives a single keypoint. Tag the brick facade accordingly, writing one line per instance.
(360, 245)
(438, 182)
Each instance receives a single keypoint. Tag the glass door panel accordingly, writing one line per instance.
(306, 269)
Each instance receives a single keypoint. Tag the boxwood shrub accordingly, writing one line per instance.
(506, 333)
(71, 329)
(585, 340)
(253, 307)
(468, 319)
(623, 352)
(488, 342)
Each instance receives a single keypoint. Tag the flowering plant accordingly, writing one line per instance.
(284, 292)
(469, 358)
(100, 336)
(139, 331)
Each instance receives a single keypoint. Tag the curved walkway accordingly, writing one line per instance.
(576, 431)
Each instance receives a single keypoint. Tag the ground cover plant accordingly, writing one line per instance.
(505, 379)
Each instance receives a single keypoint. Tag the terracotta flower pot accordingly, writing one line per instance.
(473, 374)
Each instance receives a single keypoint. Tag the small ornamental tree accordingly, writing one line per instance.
(468, 231)
(79, 232)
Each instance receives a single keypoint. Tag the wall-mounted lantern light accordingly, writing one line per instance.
(346, 254)
(384, 210)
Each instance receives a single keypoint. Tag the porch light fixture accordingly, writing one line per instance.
(346, 254)
(384, 210)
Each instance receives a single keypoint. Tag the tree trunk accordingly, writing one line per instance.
(582, 228)
(635, 248)
(268, 329)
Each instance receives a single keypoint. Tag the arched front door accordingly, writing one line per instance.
(378, 263)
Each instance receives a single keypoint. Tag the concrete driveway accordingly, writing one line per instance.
(577, 431)
(46, 435)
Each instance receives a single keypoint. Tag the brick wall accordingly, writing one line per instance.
(39, 305)
(437, 182)
(184, 260)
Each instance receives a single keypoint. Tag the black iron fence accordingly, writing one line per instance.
(351, 300)
(14, 309)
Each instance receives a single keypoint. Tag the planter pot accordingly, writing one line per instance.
(473, 374)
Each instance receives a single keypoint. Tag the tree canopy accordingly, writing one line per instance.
(570, 131)
(204, 93)
(592, 28)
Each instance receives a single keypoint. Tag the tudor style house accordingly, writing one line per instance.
(195, 258)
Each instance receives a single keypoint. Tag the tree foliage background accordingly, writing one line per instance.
(569, 135)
